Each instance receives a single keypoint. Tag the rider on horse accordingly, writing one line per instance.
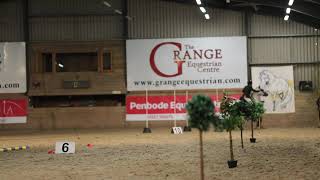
(247, 97)
(247, 92)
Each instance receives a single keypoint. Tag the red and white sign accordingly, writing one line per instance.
(13, 111)
(186, 63)
(162, 107)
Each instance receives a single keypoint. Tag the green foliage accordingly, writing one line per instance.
(253, 110)
(201, 112)
(230, 118)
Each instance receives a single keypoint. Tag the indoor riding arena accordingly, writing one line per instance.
(159, 89)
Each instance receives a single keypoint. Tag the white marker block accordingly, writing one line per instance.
(177, 130)
(65, 147)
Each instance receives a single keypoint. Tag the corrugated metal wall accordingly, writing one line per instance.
(72, 7)
(11, 21)
(75, 20)
(306, 72)
(283, 50)
(163, 19)
(271, 25)
(76, 28)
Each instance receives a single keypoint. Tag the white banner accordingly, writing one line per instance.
(186, 63)
(278, 82)
(13, 67)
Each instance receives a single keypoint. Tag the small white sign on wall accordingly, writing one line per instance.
(65, 147)
(177, 130)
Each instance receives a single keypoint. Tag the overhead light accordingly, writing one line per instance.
(227, 1)
(288, 10)
(117, 11)
(198, 2)
(290, 2)
(106, 3)
(207, 16)
(203, 9)
(60, 65)
(286, 18)
(129, 18)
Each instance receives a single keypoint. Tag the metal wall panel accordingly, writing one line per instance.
(72, 7)
(270, 25)
(11, 21)
(269, 50)
(304, 49)
(283, 50)
(307, 72)
(164, 19)
(77, 28)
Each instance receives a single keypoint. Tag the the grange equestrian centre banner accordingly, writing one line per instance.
(162, 107)
(13, 67)
(13, 111)
(186, 63)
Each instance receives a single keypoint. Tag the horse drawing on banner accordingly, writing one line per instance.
(279, 90)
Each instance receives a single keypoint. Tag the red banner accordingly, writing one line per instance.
(13, 111)
(162, 107)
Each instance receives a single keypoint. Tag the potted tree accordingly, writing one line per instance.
(243, 109)
(230, 120)
(201, 114)
(255, 111)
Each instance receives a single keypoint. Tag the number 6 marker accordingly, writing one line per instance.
(65, 147)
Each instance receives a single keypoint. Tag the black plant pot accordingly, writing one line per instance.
(146, 130)
(187, 129)
(232, 163)
(253, 140)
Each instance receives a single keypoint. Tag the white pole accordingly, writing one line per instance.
(187, 122)
(147, 123)
(175, 119)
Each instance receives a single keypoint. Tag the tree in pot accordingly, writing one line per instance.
(231, 119)
(241, 110)
(241, 127)
(244, 111)
(201, 114)
(255, 111)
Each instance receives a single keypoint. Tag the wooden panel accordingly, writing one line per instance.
(42, 84)
(100, 83)
(72, 117)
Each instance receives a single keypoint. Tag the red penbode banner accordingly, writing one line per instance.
(13, 111)
(162, 107)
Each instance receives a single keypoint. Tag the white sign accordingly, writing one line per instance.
(65, 147)
(278, 82)
(13, 67)
(186, 63)
(177, 130)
